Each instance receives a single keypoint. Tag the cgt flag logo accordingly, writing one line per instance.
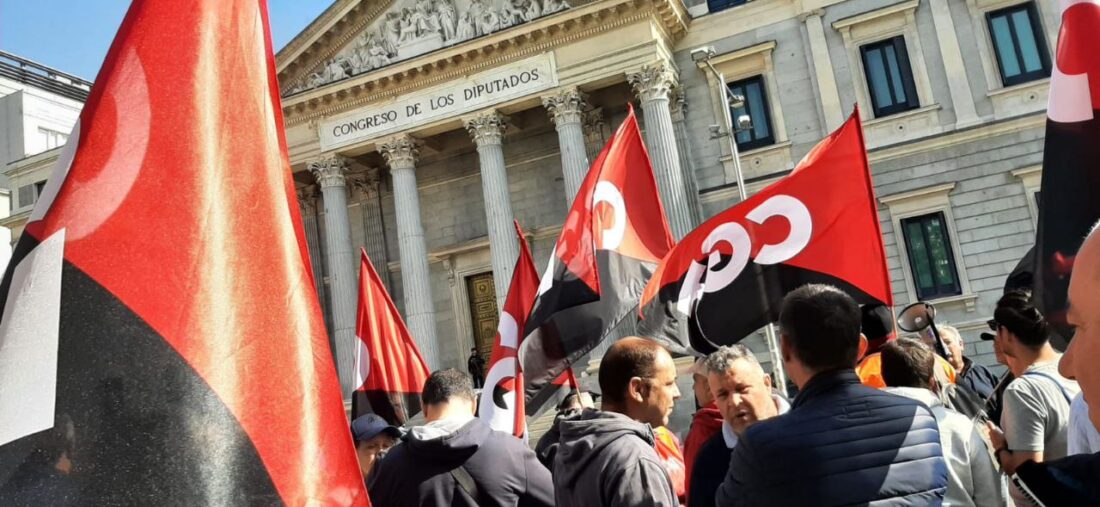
(612, 239)
(160, 340)
(503, 405)
(726, 279)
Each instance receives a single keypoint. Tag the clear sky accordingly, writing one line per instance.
(73, 35)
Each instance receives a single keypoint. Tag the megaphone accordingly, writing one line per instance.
(919, 317)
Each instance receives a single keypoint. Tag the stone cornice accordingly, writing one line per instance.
(531, 38)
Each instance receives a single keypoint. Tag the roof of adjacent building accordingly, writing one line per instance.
(43, 77)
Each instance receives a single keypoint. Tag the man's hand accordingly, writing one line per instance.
(996, 436)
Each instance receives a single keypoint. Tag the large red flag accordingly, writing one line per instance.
(500, 405)
(614, 236)
(1070, 202)
(727, 278)
(160, 341)
(389, 368)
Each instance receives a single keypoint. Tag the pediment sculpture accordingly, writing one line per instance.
(414, 27)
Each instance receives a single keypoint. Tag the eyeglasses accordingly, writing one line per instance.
(994, 325)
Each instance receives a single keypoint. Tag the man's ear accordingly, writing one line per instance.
(636, 389)
(862, 347)
(767, 381)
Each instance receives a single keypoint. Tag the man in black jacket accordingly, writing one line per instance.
(456, 459)
(842, 443)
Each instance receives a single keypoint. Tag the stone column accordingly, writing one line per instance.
(307, 203)
(653, 84)
(823, 70)
(330, 174)
(566, 108)
(691, 186)
(962, 100)
(594, 138)
(368, 184)
(487, 131)
(401, 153)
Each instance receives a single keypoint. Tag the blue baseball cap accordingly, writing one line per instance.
(368, 426)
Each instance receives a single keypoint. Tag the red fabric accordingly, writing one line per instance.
(179, 201)
(706, 423)
(668, 448)
(389, 360)
(819, 223)
(503, 409)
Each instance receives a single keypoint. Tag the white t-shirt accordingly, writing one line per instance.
(1083, 437)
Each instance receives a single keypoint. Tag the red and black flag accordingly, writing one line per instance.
(500, 405)
(160, 341)
(726, 279)
(390, 372)
(1069, 201)
(612, 239)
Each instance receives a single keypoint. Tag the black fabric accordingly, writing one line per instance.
(842, 443)
(979, 379)
(418, 472)
(995, 405)
(138, 424)
(708, 472)
(395, 408)
(1070, 481)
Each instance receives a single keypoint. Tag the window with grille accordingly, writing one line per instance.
(931, 259)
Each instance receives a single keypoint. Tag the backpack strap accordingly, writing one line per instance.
(465, 481)
(1065, 394)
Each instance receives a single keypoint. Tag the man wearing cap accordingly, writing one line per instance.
(706, 422)
(877, 325)
(373, 437)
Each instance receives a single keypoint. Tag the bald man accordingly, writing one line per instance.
(607, 457)
(1074, 480)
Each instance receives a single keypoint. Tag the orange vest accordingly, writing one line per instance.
(870, 370)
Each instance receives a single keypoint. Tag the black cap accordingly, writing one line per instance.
(877, 323)
(368, 426)
(987, 336)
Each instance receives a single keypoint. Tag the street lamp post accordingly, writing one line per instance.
(702, 56)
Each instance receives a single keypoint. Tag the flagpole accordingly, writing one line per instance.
(703, 56)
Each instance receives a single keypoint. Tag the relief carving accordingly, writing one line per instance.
(416, 27)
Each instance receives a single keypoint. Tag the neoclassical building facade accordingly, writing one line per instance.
(419, 129)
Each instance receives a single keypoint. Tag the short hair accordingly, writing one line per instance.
(907, 363)
(1016, 312)
(721, 360)
(952, 330)
(628, 358)
(443, 385)
(822, 324)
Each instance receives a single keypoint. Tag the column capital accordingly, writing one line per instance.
(367, 181)
(654, 81)
(329, 171)
(486, 128)
(678, 106)
(400, 151)
(307, 198)
(811, 14)
(566, 106)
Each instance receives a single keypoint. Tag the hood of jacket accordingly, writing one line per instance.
(928, 398)
(448, 441)
(584, 435)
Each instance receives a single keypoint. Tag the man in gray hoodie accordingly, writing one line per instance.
(606, 457)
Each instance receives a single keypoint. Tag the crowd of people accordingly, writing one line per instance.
(876, 419)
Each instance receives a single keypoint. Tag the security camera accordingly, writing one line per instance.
(702, 54)
(744, 122)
